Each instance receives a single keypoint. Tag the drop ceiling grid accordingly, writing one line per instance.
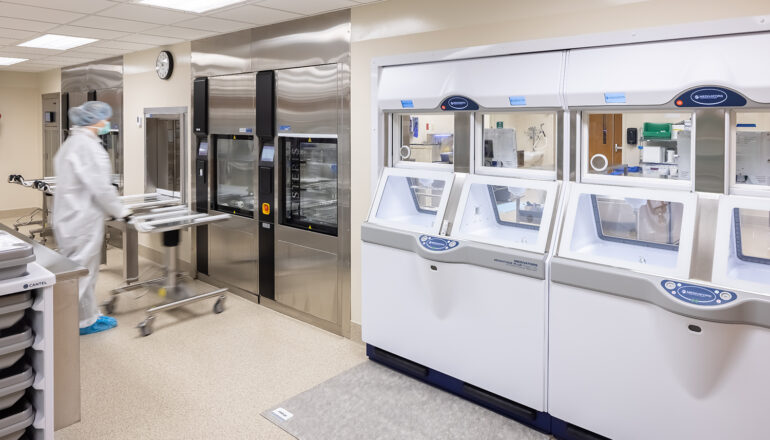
(123, 26)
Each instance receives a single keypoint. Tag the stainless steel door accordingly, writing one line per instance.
(307, 262)
(233, 244)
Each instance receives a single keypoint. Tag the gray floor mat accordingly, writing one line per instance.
(370, 401)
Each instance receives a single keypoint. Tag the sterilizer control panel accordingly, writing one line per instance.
(437, 244)
(698, 295)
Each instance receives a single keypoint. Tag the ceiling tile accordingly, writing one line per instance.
(62, 61)
(27, 52)
(114, 44)
(256, 15)
(34, 13)
(150, 39)
(148, 14)
(26, 25)
(114, 24)
(90, 50)
(177, 32)
(17, 34)
(82, 6)
(307, 7)
(24, 67)
(79, 31)
(213, 24)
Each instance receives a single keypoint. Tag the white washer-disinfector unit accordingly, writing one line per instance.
(659, 323)
(456, 246)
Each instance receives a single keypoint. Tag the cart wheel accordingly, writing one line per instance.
(219, 306)
(110, 305)
(145, 327)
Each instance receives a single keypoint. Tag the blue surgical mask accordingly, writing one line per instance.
(101, 131)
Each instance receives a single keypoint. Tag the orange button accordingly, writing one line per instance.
(266, 208)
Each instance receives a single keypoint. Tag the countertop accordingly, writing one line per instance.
(56, 263)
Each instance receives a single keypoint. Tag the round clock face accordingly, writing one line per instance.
(164, 65)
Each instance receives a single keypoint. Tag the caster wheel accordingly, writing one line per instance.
(219, 306)
(145, 327)
(110, 305)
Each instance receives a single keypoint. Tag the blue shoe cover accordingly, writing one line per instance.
(102, 323)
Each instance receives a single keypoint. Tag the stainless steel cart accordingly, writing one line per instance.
(168, 221)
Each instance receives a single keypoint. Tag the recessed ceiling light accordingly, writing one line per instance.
(57, 42)
(8, 61)
(197, 6)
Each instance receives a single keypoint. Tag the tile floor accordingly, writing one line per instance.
(199, 375)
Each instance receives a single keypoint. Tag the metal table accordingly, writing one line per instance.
(168, 221)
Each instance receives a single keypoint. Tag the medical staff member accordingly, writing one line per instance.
(84, 197)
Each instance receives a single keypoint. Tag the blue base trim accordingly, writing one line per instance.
(566, 431)
(540, 421)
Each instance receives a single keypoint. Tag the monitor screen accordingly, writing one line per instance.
(268, 153)
(203, 149)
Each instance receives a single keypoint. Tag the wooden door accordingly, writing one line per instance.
(605, 136)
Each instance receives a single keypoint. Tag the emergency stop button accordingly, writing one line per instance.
(266, 208)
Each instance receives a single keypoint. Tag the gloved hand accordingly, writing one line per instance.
(126, 215)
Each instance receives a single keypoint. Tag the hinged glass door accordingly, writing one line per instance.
(309, 196)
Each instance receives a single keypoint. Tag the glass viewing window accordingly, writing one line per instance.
(655, 145)
(504, 215)
(236, 162)
(427, 138)
(310, 184)
(411, 200)
(752, 148)
(650, 223)
(752, 235)
(519, 140)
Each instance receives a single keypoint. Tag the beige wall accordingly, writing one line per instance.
(407, 26)
(50, 81)
(143, 89)
(21, 138)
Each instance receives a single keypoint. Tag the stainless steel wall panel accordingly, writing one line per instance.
(710, 150)
(323, 39)
(233, 256)
(222, 55)
(105, 74)
(74, 79)
(232, 104)
(306, 280)
(343, 196)
(307, 100)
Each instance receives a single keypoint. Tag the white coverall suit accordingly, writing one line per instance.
(84, 197)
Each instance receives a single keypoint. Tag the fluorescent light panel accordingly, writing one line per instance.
(57, 42)
(197, 6)
(9, 61)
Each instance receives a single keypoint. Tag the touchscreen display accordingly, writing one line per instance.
(268, 153)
